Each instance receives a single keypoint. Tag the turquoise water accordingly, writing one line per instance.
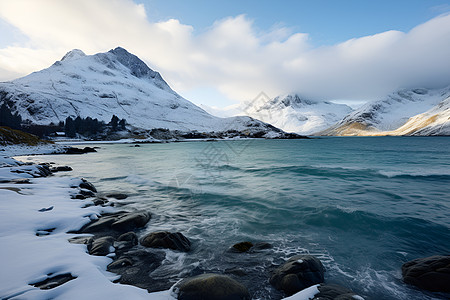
(362, 205)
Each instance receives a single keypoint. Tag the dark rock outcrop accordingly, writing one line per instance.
(429, 273)
(298, 273)
(211, 287)
(167, 240)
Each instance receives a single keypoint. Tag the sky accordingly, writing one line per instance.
(220, 53)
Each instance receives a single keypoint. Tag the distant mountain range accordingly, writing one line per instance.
(406, 112)
(113, 83)
(294, 113)
(119, 83)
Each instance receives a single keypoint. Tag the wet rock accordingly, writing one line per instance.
(53, 281)
(101, 246)
(430, 273)
(335, 292)
(100, 201)
(167, 240)
(43, 170)
(130, 221)
(120, 263)
(87, 193)
(128, 237)
(136, 266)
(126, 241)
(118, 196)
(211, 287)
(118, 222)
(61, 169)
(87, 185)
(73, 150)
(242, 247)
(298, 273)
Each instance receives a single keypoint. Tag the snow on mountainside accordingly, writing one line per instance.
(435, 121)
(106, 84)
(388, 115)
(295, 114)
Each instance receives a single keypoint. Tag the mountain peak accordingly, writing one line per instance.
(137, 67)
(73, 54)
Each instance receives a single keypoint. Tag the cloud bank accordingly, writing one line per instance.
(232, 56)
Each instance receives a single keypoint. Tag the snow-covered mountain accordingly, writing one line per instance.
(293, 113)
(406, 112)
(112, 83)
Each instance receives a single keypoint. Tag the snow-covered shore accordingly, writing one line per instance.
(34, 220)
(35, 215)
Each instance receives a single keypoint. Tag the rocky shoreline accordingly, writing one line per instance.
(120, 236)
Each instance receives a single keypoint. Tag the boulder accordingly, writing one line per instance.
(298, 273)
(167, 240)
(101, 246)
(211, 287)
(118, 222)
(429, 273)
(130, 221)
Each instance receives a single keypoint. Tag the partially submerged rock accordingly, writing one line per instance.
(429, 273)
(167, 240)
(242, 247)
(298, 273)
(335, 292)
(211, 287)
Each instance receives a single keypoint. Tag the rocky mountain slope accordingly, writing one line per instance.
(406, 112)
(112, 83)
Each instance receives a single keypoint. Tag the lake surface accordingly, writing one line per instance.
(364, 206)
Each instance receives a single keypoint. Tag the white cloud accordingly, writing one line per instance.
(231, 56)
